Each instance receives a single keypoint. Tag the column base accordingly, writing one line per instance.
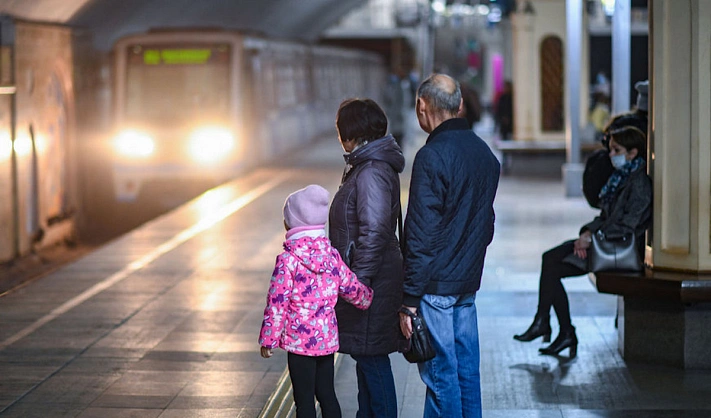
(573, 179)
(664, 332)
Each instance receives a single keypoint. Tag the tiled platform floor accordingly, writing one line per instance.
(162, 322)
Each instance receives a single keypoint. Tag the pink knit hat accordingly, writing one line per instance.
(307, 207)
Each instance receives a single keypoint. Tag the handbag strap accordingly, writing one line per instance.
(408, 312)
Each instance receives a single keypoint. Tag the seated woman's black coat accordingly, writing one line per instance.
(629, 210)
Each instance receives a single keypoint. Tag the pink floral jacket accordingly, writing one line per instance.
(308, 278)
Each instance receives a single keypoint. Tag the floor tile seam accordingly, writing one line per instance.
(611, 345)
(175, 397)
(106, 333)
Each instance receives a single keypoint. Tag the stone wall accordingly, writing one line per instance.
(45, 128)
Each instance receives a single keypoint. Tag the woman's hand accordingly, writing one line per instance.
(406, 322)
(267, 352)
(581, 245)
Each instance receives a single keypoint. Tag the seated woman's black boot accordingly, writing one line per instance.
(566, 339)
(540, 327)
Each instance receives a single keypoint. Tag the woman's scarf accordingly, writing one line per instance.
(618, 178)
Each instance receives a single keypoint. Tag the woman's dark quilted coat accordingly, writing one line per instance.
(362, 225)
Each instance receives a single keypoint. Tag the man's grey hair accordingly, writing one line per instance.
(436, 91)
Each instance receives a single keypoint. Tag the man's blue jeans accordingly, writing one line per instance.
(376, 387)
(452, 377)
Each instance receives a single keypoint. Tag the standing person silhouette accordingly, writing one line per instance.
(362, 224)
(504, 111)
(308, 278)
(449, 224)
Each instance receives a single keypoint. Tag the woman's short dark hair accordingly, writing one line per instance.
(621, 120)
(631, 137)
(361, 120)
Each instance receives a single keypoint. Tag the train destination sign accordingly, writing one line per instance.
(176, 56)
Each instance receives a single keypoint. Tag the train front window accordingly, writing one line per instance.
(170, 82)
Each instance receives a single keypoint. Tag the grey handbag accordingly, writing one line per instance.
(618, 253)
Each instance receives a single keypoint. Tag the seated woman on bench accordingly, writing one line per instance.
(626, 203)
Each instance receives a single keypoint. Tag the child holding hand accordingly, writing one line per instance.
(308, 278)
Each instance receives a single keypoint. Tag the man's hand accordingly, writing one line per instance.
(267, 352)
(406, 322)
(581, 245)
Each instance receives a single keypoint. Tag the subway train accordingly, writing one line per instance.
(192, 105)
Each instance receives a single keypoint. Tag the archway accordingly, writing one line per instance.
(552, 99)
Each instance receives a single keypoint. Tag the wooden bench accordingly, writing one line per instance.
(660, 285)
(509, 148)
(664, 316)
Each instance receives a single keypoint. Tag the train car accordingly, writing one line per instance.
(211, 104)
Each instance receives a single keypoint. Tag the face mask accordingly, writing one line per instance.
(618, 161)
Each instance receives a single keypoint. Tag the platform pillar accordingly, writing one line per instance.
(621, 56)
(679, 242)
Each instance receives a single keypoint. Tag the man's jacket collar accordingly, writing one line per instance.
(454, 124)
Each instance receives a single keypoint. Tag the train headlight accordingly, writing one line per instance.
(211, 144)
(134, 144)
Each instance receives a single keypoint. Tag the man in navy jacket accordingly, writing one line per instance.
(449, 224)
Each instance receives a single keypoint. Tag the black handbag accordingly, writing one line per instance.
(420, 349)
(619, 254)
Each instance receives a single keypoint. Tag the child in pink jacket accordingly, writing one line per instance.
(308, 278)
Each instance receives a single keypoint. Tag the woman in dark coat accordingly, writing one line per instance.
(362, 224)
(626, 203)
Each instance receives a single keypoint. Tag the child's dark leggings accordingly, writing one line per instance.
(313, 376)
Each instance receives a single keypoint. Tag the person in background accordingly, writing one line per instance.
(413, 79)
(362, 223)
(600, 114)
(471, 111)
(307, 281)
(394, 103)
(598, 167)
(602, 83)
(503, 114)
(626, 202)
(449, 224)
(642, 108)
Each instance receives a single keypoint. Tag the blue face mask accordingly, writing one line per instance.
(618, 161)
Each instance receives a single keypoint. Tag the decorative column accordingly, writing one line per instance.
(664, 316)
(621, 56)
(573, 169)
(681, 134)
(524, 62)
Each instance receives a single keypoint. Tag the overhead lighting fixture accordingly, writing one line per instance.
(461, 10)
(495, 14)
(439, 6)
(608, 6)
